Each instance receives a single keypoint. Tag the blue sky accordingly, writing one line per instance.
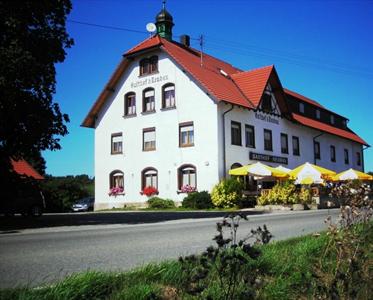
(321, 49)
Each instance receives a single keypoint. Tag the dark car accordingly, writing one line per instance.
(85, 204)
(27, 200)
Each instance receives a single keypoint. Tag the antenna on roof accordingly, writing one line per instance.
(201, 45)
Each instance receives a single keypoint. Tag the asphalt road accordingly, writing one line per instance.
(43, 255)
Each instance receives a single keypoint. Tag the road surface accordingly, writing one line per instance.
(43, 255)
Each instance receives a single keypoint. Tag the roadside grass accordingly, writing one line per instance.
(285, 268)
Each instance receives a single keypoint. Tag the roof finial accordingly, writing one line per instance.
(164, 4)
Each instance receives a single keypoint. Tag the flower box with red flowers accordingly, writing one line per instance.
(149, 191)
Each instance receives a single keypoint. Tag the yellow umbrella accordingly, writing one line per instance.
(258, 169)
(310, 172)
(351, 174)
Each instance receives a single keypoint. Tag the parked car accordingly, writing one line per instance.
(27, 200)
(85, 204)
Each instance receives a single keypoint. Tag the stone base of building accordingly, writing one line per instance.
(125, 205)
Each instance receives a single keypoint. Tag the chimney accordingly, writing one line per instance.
(185, 40)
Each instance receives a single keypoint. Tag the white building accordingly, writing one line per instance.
(169, 117)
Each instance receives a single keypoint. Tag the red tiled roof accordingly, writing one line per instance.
(329, 129)
(153, 41)
(23, 168)
(301, 97)
(252, 83)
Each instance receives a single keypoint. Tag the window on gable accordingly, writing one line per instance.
(296, 147)
(358, 158)
(347, 159)
(187, 175)
(149, 178)
(130, 104)
(148, 104)
(186, 134)
(236, 133)
(284, 143)
(149, 65)
(332, 119)
(116, 143)
(148, 135)
(316, 150)
(168, 95)
(268, 101)
(116, 179)
(250, 136)
(318, 116)
(268, 140)
(301, 107)
(332, 153)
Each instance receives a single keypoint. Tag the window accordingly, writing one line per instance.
(149, 177)
(301, 107)
(332, 153)
(148, 104)
(347, 160)
(149, 65)
(267, 102)
(130, 104)
(284, 143)
(316, 150)
(344, 123)
(186, 134)
(250, 136)
(358, 158)
(148, 135)
(235, 166)
(168, 96)
(332, 120)
(116, 143)
(268, 140)
(296, 148)
(318, 114)
(187, 176)
(116, 179)
(236, 133)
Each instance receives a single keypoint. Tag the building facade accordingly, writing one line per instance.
(172, 118)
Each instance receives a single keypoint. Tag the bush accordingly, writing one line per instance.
(281, 193)
(159, 203)
(198, 200)
(227, 193)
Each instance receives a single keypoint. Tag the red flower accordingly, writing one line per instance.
(150, 191)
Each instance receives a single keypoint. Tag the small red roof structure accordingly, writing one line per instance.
(220, 80)
(23, 168)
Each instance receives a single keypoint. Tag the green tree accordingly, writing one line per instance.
(33, 38)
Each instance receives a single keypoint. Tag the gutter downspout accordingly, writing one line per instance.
(362, 158)
(314, 138)
(224, 150)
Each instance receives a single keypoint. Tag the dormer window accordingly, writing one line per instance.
(317, 114)
(149, 65)
(301, 107)
(332, 120)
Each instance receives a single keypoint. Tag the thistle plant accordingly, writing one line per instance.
(229, 263)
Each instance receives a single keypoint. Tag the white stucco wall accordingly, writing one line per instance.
(240, 154)
(192, 104)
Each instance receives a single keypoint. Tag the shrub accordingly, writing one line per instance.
(159, 203)
(227, 193)
(198, 200)
(281, 193)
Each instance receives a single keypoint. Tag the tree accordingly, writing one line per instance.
(33, 38)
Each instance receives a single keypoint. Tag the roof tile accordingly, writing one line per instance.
(23, 168)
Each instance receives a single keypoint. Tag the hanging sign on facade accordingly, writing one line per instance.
(268, 158)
